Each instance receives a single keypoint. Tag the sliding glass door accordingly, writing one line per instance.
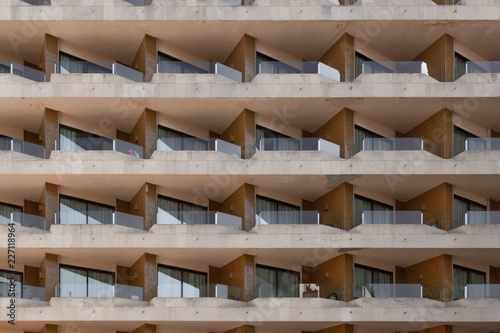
(7, 211)
(74, 139)
(269, 140)
(179, 282)
(368, 140)
(83, 282)
(369, 211)
(462, 206)
(372, 282)
(463, 276)
(269, 211)
(5, 283)
(169, 139)
(276, 282)
(173, 211)
(79, 211)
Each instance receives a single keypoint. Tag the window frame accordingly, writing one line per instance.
(87, 270)
(182, 270)
(86, 203)
(276, 270)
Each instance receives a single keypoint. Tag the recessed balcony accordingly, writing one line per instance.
(170, 143)
(296, 67)
(197, 67)
(298, 144)
(20, 146)
(201, 217)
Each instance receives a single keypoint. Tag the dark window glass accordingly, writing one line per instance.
(6, 210)
(269, 140)
(463, 276)
(5, 283)
(276, 282)
(374, 142)
(268, 65)
(85, 282)
(460, 66)
(367, 206)
(460, 137)
(460, 208)
(372, 282)
(173, 211)
(71, 64)
(74, 139)
(271, 211)
(79, 211)
(358, 63)
(179, 282)
(169, 139)
(170, 65)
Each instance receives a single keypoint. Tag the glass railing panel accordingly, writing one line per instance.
(482, 67)
(295, 144)
(224, 219)
(182, 217)
(298, 67)
(34, 293)
(128, 148)
(98, 67)
(394, 67)
(198, 67)
(26, 72)
(482, 217)
(226, 292)
(198, 144)
(128, 220)
(228, 72)
(225, 147)
(287, 217)
(129, 292)
(482, 291)
(71, 289)
(482, 144)
(20, 146)
(373, 144)
(136, 2)
(391, 217)
(37, 2)
(128, 72)
(22, 219)
(381, 290)
(5, 288)
(328, 147)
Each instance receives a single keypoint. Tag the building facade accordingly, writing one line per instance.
(250, 166)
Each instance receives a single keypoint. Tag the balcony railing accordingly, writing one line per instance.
(393, 144)
(298, 67)
(199, 217)
(381, 290)
(482, 291)
(100, 217)
(81, 144)
(99, 289)
(23, 291)
(22, 219)
(392, 217)
(23, 71)
(298, 290)
(28, 148)
(98, 67)
(302, 144)
(482, 144)
(226, 292)
(482, 217)
(394, 67)
(287, 217)
(198, 67)
(198, 144)
(482, 67)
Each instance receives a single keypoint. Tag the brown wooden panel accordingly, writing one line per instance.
(50, 55)
(145, 132)
(123, 275)
(239, 273)
(439, 58)
(30, 137)
(144, 273)
(146, 328)
(339, 130)
(336, 207)
(436, 329)
(144, 204)
(50, 274)
(242, 58)
(241, 203)
(48, 328)
(242, 329)
(32, 208)
(49, 202)
(241, 132)
(146, 57)
(494, 275)
(49, 131)
(437, 206)
(344, 328)
(341, 57)
(31, 276)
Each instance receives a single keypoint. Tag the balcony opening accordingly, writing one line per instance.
(267, 139)
(181, 282)
(170, 65)
(467, 212)
(85, 282)
(368, 211)
(174, 211)
(270, 211)
(276, 282)
(462, 141)
(169, 139)
(463, 278)
(372, 282)
(69, 64)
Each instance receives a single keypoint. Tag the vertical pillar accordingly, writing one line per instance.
(49, 270)
(49, 131)
(50, 55)
(241, 203)
(145, 132)
(144, 204)
(146, 57)
(242, 58)
(341, 57)
(49, 202)
(241, 132)
(147, 276)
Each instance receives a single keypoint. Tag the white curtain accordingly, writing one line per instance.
(266, 282)
(194, 284)
(288, 284)
(72, 211)
(169, 139)
(100, 284)
(98, 214)
(169, 282)
(73, 282)
(275, 212)
(171, 211)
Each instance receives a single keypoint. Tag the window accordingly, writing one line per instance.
(460, 137)
(276, 282)
(373, 142)
(359, 59)
(73, 139)
(6, 210)
(460, 66)
(267, 139)
(170, 65)
(461, 206)
(180, 282)
(4, 69)
(173, 211)
(372, 282)
(79, 211)
(84, 282)
(271, 211)
(268, 65)
(169, 139)
(5, 282)
(71, 64)
(371, 211)
(463, 276)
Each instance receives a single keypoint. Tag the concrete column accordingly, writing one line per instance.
(341, 57)
(49, 202)
(440, 58)
(242, 58)
(144, 204)
(49, 270)
(334, 276)
(242, 329)
(241, 132)
(50, 55)
(147, 275)
(49, 131)
(336, 207)
(146, 57)
(241, 203)
(145, 132)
